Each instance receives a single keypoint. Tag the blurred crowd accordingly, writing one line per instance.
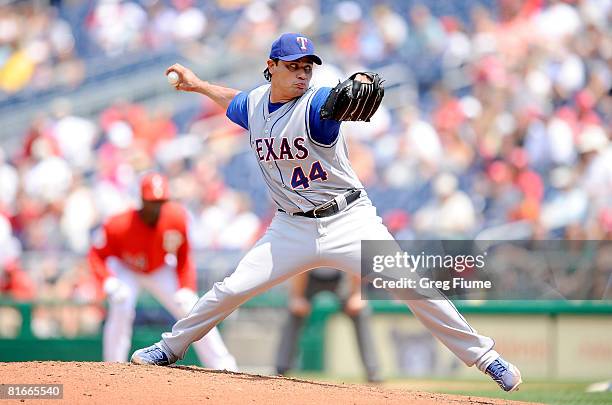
(43, 46)
(508, 135)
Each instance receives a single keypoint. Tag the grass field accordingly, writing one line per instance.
(564, 393)
(547, 392)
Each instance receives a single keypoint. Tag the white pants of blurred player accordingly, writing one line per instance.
(162, 284)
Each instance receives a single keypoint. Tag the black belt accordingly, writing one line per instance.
(331, 207)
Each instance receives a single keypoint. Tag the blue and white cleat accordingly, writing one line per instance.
(505, 374)
(153, 355)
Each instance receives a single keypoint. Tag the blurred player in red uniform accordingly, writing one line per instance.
(149, 247)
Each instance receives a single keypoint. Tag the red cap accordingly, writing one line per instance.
(154, 187)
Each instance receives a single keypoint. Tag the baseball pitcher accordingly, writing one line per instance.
(323, 212)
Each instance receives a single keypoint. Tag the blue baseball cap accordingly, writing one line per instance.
(292, 46)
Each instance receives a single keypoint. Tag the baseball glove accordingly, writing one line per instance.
(353, 100)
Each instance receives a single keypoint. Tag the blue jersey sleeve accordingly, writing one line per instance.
(237, 111)
(324, 132)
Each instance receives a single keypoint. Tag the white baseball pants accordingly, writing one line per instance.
(292, 245)
(162, 284)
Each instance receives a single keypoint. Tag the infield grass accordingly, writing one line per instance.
(557, 393)
(547, 392)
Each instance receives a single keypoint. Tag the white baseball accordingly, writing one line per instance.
(173, 78)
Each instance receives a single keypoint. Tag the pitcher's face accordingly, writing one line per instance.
(291, 79)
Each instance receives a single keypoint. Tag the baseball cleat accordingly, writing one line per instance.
(153, 355)
(505, 374)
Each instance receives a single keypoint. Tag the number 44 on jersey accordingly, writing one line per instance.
(299, 178)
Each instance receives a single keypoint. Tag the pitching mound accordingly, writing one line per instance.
(115, 383)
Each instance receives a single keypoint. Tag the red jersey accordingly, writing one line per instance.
(144, 248)
(16, 282)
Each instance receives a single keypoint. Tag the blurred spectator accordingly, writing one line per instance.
(392, 27)
(38, 139)
(421, 142)
(255, 30)
(596, 164)
(398, 224)
(425, 45)
(49, 178)
(190, 23)
(117, 26)
(427, 35)
(9, 183)
(451, 216)
(570, 203)
(226, 223)
(243, 228)
(75, 136)
(346, 37)
(13, 280)
(79, 217)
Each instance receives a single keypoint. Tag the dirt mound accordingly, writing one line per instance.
(115, 383)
